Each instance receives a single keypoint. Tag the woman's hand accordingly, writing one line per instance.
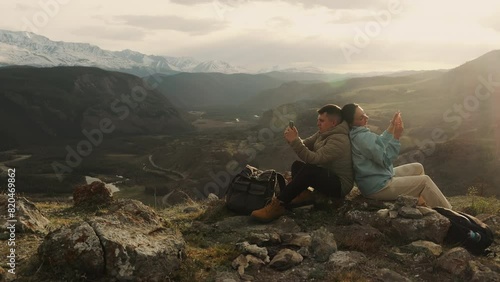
(398, 127)
(394, 120)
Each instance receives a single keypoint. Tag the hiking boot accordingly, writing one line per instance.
(307, 197)
(270, 212)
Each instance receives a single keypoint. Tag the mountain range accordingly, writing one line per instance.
(46, 104)
(27, 48)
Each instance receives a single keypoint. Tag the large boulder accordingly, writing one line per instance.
(130, 242)
(74, 250)
(402, 220)
(92, 194)
(433, 227)
(455, 261)
(28, 217)
(131, 251)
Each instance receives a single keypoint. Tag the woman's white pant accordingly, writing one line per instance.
(410, 179)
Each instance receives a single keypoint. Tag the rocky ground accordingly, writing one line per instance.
(351, 240)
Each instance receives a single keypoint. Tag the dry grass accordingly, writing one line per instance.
(59, 213)
(475, 205)
(201, 262)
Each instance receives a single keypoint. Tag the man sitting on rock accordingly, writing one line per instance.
(326, 164)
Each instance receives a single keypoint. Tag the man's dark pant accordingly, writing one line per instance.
(305, 175)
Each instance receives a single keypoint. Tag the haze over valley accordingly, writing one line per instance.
(171, 97)
(179, 132)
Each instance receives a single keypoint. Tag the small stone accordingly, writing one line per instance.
(304, 252)
(383, 212)
(432, 247)
(241, 260)
(212, 197)
(412, 213)
(393, 214)
(263, 239)
(285, 259)
(255, 250)
(406, 201)
(323, 244)
(297, 239)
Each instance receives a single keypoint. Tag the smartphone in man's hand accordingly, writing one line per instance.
(290, 124)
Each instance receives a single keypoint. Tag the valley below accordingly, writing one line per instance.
(188, 137)
(164, 170)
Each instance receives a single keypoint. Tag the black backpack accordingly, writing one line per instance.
(467, 231)
(252, 189)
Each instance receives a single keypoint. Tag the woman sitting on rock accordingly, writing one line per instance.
(372, 157)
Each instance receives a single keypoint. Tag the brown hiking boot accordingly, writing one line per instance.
(270, 212)
(307, 197)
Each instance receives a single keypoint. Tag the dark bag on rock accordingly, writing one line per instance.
(467, 231)
(252, 189)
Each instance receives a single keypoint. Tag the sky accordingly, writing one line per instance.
(332, 35)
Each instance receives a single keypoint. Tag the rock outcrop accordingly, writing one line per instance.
(367, 227)
(93, 194)
(28, 218)
(403, 220)
(353, 241)
(129, 243)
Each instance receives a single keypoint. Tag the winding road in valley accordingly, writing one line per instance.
(5, 168)
(172, 174)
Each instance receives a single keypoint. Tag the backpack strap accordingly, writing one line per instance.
(281, 182)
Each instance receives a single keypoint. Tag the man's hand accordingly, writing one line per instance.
(291, 134)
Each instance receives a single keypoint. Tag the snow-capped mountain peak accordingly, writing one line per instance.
(26, 48)
(305, 69)
(217, 66)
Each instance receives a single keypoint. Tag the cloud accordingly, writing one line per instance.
(492, 22)
(110, 33)
(332, 4)
(191, 26)
(259, 49)
(341, 4)
(279, 23)
(25, 7)
(351, 16)
(256, 50)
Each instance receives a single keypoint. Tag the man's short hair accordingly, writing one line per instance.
(333, 112)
